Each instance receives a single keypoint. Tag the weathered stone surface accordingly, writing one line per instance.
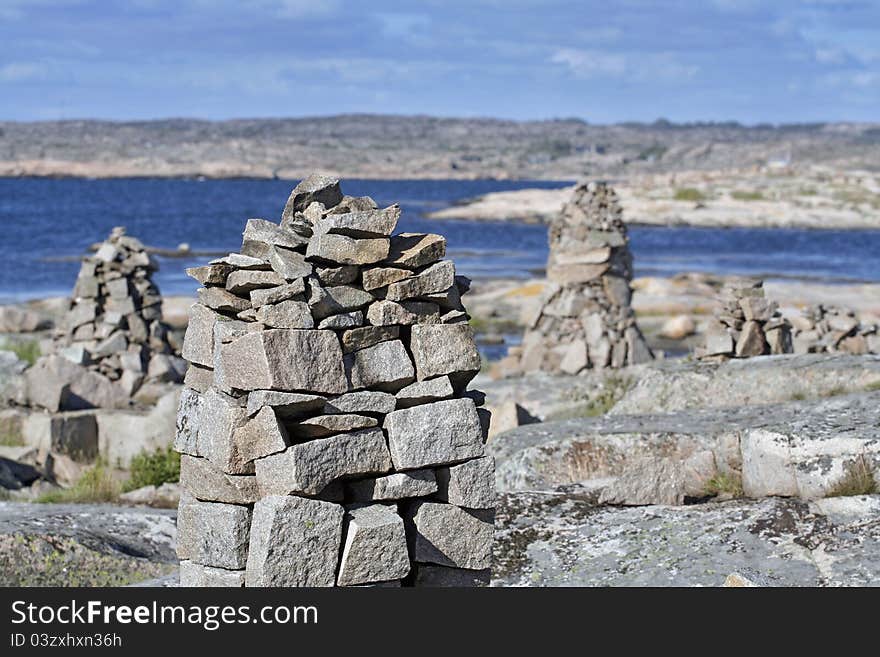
(378, 277)
(263, 296)
(364, 401)
(368, 223)
(242, 282)
(198, 343)
(386, 366)
(260, 236)
(122, 435)
(321, 426)
(425, 392)
(314, 189)
(209, 274)
(260, 436)
(213, 534)
(442, 349)
(326, 301)
(346, 250)
(198, 378)
(649, 481)
(197, 575)
(414, 250)
(294, 542)
(375, 547)
(341, 275)
(433, 434)
(558, 539)
(428, 575)
(507, 416)
(343, 321)
(239, 261)
(751, 341)
(435, 279)
(219, 416)
(222, 300)
(55, 383)
(307, 468)
(470, 484)
(397, 486)
(367, 336)
(288, 405)
(286, 315)
(287, 360)
(73, 434)
(449, 536)
(406, 313)
(288, 264)
(208, 484)
(187, 424)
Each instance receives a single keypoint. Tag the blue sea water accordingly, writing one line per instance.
(46, 223)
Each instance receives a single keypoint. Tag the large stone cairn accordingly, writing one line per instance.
(745, 323)
(586, 319)
(326, 431)
(112, 339)
(831, 329)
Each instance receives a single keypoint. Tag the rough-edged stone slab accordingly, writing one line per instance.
(263, 296)
(220, 415)
(314, 189)
(188, 421)
(285, 359)
(289, 264)
(433, 280)
(367, 223)
(445, 349)
(425, 392)
(321, 426)
(470, 484)
(222, 300)
(294, 542)
(406, 313)
(386, 366)
(346, 250)
(446, 535)
(213, 534)
(647, 481)
(378, 277)
(326, 301)
(260, 436)
(434, 434)
(414, 250)
(197, 575)
(287, 405)
(261, 235)
(343, 321)
(363, 401)
(239, 261)
(307, 468)
(375, 547)
(198, 342)
(367, 336)
(286, 315)
(429, 575)
(341, 275)
(208, 484)
(209, 274)
(396, 486)
(242, 282)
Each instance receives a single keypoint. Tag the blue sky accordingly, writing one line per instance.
(685, 60)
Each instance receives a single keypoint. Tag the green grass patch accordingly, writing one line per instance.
(153, 468)
(741, 195)
(96, 485)
(26, 350)
(858, 480)
(728, 484)
(689, 194)
(872, 387)
(11, 440)
(611, 392)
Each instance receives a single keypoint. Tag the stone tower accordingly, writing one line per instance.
(586, 319)
(327, 433)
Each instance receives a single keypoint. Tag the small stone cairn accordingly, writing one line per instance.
(586, 320)
(112, 339)
(745, 324)
(822, 329)
(326, 433)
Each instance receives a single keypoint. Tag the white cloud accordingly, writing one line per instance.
(21, 71)
(588, 64)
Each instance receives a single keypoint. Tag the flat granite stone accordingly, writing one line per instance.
(450, 536)
(197, 575)
(470, 484)
(294, 541)
(434, 434)
(396, 486)
(375, 547)
(213, 534)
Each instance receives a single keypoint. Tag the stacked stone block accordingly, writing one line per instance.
(586, 320)
(112, 339)
(326, 430)
(829, 329)
(745, 323)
